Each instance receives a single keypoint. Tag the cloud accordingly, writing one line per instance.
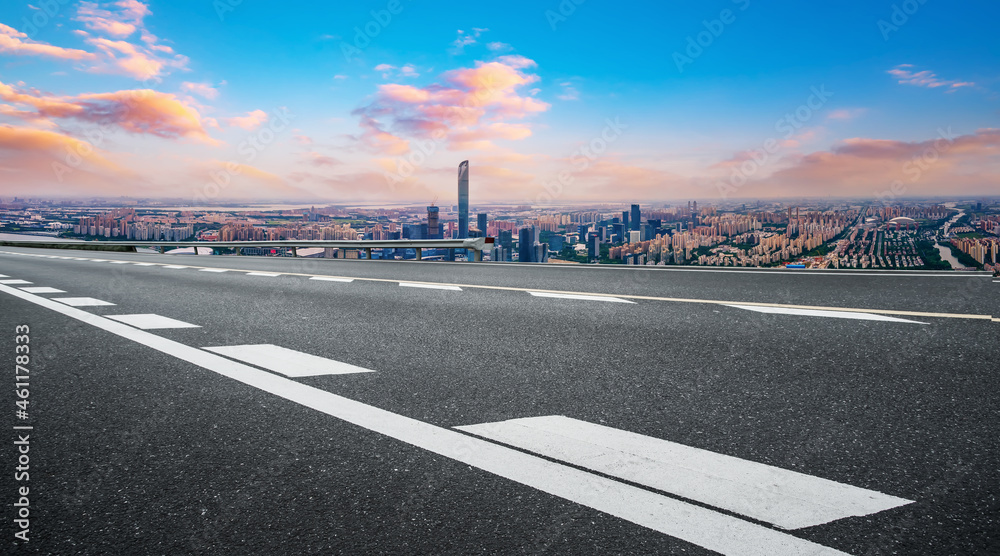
(499, 47)
(316, 159)
(407, 70)
(469, 108)
(133, 60)
(865, 167)
(141, 111)
(569, 92)
(201, 89)
(465, 39)
(250, 122)
(15, 43)
(906, 76)
(339, 76)
(845, 113)
(54, 145)
(120, 22)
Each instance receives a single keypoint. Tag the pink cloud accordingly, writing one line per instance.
(140, 111)
(250, 122)
(16, 43)
(924, 78)
(201, 89)
(470, 108)
(120, 21)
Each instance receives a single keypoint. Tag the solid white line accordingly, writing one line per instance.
(150, 321)
(268, 274)
(14, 281)
(213, 270)
(42, 289)
(695, 524)
(174, 266)
(784, 498)
(331, 279)
(430, 286)
(816, 313)
(287, 361)
(581, 297)
(81, 301)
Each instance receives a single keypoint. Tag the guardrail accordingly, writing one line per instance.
(476, 245)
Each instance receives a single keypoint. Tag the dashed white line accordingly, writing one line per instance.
(430, 286)
(119, 262)
(332, 279)
(148, 321)
(578, 297)
(146, 264)
(174, 266)
(828, 314)
(695, 524)
(788, 499)
(213, 270)
(287, 361)
(268, 274)
(4, 276)
(81, 301)
(98, 260)
(42, 289)
(13, 282)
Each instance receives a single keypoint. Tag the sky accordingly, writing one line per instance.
(551, 101)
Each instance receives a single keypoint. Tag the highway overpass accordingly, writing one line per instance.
(238, 405)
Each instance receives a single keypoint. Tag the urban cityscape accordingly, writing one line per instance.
(963, 234)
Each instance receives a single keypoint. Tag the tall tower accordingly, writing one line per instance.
(463, 200)
(432, 222)
(481, 223)
(636, 217)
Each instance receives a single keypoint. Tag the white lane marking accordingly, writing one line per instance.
(331, 279)
(213, 270)
(149, 321)
(13, 282)
(145, 264)
(430, 286)
(42, 289)
(4, 276)
(582, 297)
(829, 314)
(174, 266)
(287, 361)
(268, 274)
(709, 529)
(98, 260)
(119, 262)
(81, 301)
(80, 259)
(788, 499)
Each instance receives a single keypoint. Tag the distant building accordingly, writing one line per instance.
(433, 228)
(525, 245)
(636, 218)
(463, 200)
(594, 247)
(481, 223)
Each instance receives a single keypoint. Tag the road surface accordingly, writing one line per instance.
(241, 405)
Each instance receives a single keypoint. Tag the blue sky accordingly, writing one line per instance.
(691, 116)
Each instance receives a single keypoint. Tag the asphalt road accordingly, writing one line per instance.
(144, 442)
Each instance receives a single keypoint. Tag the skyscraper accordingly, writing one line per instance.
(636, 217)
(625, 219)
(525, 245)
(433, 230)
(481, 223)
(463, 200)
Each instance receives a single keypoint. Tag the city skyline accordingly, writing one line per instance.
(553, 104)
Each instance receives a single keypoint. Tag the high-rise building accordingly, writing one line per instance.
(463, 200)
(525, 245)
(481, 223)
(636, 218)
(593, 247)
(433, 231)
(625, 219)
